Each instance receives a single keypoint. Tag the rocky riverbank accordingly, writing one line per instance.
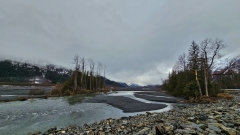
(222, 117)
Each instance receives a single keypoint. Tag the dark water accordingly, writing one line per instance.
(22, 117)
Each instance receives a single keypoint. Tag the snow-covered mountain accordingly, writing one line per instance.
(129, 84)
(132, 85)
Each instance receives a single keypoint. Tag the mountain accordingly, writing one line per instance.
(15, 71)
(133, 85)
(113, 83)
(129, 84)
(123, 84)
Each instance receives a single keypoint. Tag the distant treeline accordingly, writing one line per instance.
(13, 71)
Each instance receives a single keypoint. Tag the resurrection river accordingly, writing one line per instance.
(22, 117)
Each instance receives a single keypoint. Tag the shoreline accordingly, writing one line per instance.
(214, 118)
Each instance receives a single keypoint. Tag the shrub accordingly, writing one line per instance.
(213, 89)
(57, 90)
(67, 92)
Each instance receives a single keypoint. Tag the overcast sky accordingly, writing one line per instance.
(138, 41)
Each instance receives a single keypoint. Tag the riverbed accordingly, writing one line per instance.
(22, 117)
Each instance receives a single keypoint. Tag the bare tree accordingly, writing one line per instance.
(83, 72)
(91, 66)
(104, 73)
(75, 73)
(177, 67)
(232, 61)
(210, 51)
(182, 61)
(181, 64)
(99, 70)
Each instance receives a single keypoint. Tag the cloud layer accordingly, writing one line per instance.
(139, 41)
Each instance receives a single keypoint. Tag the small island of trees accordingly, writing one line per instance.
(87, 76)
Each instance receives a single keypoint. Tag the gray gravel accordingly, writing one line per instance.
(157, 96)
(126, 104)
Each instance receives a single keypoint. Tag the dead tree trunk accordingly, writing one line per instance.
(82, 72)
(75, 73)
(104, 78)
(210, 50)
(199, 87)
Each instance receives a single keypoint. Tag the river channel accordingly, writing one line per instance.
(22, 117)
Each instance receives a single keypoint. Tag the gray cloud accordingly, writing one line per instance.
(138, 41)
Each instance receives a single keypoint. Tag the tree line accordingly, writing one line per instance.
(87, 75)
(191, 76)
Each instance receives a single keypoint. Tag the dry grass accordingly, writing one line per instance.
(57, 90)
(225, 96)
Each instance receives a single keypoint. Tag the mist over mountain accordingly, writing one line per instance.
(129, 84)
(22, 71)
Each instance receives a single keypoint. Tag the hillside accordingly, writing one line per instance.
(13, 71)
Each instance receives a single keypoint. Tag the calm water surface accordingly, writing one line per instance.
(22, 117)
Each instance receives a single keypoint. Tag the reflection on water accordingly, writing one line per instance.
(41, 114)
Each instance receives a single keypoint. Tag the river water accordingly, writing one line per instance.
(22, 117)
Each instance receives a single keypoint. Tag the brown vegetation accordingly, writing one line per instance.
(57, 90)
(202, 99)
(225, 96)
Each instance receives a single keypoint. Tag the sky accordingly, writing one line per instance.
(138, 41)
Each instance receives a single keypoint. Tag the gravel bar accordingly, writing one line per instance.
(157, 96)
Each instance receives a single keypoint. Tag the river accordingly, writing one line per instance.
(22, 117)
